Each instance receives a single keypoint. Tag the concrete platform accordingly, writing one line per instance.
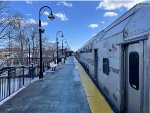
(59, 92)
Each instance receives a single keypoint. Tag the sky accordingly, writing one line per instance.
(79, 20)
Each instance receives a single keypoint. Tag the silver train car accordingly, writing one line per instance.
(118, 59)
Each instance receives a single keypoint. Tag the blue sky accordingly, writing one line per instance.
(79, 20)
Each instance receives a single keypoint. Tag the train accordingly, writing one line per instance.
(118, 60)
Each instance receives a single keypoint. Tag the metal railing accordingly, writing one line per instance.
(14, 78)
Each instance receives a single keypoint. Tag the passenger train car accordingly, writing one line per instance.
(118, 59)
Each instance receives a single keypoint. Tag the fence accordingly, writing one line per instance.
(14, 78)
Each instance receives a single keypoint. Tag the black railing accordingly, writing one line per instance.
(14, 78)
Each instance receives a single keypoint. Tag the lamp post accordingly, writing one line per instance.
(62, 47)
(51, 17)
(62, 35)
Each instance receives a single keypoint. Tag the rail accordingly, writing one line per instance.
(14, 78)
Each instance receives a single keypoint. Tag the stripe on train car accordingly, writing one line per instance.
(96, 101)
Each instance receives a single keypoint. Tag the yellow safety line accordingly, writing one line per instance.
(96, 101)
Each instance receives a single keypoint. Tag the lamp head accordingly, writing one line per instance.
(51, 16)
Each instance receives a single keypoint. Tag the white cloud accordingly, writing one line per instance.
(103, 22)
(50, 41)
(116, 4)
(61, 16)
(31, 21)
(93, 26)
(110, 14)
(29, 2)
(65, 4)
(28, 14)
(44, 23)
(46, 13)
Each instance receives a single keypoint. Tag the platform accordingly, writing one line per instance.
(64, 91)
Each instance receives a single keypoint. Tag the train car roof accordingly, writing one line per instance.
(127, 23)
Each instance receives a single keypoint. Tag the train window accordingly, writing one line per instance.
(134, 70)
(106, 66)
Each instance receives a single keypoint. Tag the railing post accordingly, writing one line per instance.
(9, 91)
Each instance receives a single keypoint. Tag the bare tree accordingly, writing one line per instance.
(6, 19)
(14, 28)
(31, 30)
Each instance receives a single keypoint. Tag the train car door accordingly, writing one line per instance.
(95, 63)
(134, 73)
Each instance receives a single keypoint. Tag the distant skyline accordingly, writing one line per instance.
(79, 20)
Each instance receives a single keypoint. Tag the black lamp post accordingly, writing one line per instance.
(62, 35)
(62, 47)
(51, 17)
